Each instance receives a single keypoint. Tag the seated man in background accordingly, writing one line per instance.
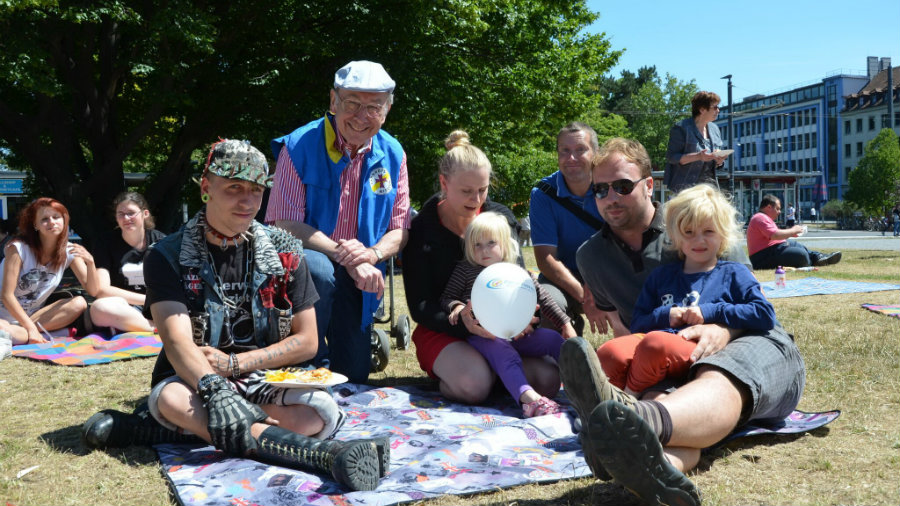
(769, 246)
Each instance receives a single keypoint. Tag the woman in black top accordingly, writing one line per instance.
(434, 247)
(120, 259)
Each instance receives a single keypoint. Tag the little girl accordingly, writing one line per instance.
(488, 241)
(702, 226)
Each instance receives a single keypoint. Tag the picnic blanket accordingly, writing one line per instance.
(800, 287)
(893, 311)
(438, 447)
(92, 349)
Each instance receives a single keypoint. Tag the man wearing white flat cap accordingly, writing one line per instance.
(341, 186)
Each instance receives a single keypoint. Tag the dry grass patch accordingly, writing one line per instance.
(851, 356)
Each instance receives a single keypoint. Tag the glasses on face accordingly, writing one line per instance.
(126, 216)
(350, 106)
(621, 186)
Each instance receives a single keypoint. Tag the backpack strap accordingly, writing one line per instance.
(569, 205)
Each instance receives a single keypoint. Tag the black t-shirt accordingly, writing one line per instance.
(164, 284)
(113, 253)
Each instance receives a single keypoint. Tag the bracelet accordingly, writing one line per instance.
(235, 367)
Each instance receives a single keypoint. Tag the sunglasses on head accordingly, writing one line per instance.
(621, 186)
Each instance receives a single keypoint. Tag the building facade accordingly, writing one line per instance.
(784, 141)
(865, 114)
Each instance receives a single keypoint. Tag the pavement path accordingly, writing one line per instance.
(822, 239)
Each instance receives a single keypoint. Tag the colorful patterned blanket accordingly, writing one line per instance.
(438, 448)
(800, 287)
(92, 349)
(892, 311)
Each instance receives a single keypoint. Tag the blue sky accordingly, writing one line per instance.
(766, 45)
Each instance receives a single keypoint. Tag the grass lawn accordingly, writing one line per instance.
(852, 358)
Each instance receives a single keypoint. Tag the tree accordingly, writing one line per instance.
(649, 104)
(875, 182)
(90, 89)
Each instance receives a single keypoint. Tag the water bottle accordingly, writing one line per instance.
(779, 278)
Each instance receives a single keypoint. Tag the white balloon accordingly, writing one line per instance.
(503, 299)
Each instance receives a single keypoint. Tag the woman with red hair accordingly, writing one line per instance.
(32, 269)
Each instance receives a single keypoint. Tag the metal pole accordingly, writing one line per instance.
(730, 136)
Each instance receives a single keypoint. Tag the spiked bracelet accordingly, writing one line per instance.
(235, 367)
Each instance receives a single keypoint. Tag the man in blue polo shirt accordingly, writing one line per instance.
(563, 215)
(341, 186)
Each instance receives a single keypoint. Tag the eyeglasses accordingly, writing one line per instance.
(126, 216)
(621, 186)
(351, 106)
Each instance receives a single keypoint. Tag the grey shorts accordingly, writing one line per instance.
(769, 366)
(252, 388)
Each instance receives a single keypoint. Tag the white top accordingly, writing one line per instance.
(36, 282)
(790, 213)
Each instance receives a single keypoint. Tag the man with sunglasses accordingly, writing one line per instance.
(341, 186)
(648, 444)
(563, 215)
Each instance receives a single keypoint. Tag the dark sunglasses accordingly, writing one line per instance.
(621, 186)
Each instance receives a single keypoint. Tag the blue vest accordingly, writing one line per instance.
(319, 165)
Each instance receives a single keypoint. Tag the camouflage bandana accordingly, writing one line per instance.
(236, 159)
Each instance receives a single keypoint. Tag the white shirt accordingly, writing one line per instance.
(36, 282)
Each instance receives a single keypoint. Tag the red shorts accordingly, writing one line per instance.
(430, 344)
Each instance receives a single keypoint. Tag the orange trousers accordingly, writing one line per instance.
(639, 361)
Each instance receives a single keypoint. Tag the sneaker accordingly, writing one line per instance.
(540, 407)
(5, 344)
(587, 386)
(828, 259)
(631, 453)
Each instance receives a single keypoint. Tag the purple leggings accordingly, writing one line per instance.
(505, 357)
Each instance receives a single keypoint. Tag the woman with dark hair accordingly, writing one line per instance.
(32, 269)
(120, 261)
(690, 157)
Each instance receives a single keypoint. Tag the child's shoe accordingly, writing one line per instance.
(540, 407)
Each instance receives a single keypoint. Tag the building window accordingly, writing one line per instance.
(846, 173)
(871, 123)
(897, 119)
(859, 149)
(847, 127)
(847, 151)
(814, 140)
(859, 124)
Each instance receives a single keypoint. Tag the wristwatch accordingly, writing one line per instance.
(210, 383)
(378, 253)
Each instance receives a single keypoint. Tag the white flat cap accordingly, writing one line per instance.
(364, 76)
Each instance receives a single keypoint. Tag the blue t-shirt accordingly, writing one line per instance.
(728, 294)
(554, 225)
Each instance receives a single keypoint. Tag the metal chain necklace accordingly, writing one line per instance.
(230, 303)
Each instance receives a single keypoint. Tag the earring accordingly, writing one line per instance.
(204, 198)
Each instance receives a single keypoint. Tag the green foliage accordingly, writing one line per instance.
(607, 125)
(838, 209)
(515, 174)
(875, 183)
(88, 89)
(650, 105)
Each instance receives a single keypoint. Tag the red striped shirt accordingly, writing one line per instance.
(287, 200)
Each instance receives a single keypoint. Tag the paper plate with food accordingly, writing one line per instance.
(294, 377)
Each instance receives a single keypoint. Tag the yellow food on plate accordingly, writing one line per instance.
(320, 375)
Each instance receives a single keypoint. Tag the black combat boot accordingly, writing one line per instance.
(114, 429)
(356, 464)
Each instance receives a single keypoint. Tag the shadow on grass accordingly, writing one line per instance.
(68, 440)
(736, 446)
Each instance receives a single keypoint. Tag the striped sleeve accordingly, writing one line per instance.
(400, 212)
(287, 198)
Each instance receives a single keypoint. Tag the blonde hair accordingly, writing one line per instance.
(695, 206)
(631, 150)
(461, 155)
(490, 225)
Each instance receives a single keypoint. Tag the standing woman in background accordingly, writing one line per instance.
(32, 269)
(692, 141)
(120, 260)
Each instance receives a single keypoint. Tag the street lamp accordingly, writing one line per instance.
(730, 135)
